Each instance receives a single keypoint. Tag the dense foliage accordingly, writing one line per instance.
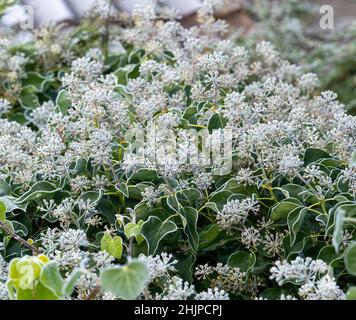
(87, 213)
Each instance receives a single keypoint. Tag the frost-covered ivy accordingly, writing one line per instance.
(86, 212)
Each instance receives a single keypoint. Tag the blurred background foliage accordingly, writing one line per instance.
(293, 27)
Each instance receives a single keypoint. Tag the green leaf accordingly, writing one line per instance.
(144, 175)
(134, 230)
(188, 197)
(271, 293)
(19, 228)
(302, 242)
(125, 282)
(295, 220)
(348, 206)
(40, 292)
(29, 100)
(63, 101)
(122, 188)
(190, 219)
(154, 230)
(220, 198)
(208, 235)
(93, 196)
(51, 278)
(2, 212)
(350, 259)
(173, 203)
(39, 190)
(4, 188)
(293, 191)
(351, 294)
(69, 284)
(216, 121)
(112, 245)
(338, 228)
(11, 204)
(35, 80)
(282, 209)
(312, 155)
(190, 114)
(243, 260)
(329, 255)
(123, 73)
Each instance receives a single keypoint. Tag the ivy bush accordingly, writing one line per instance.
(86, 214)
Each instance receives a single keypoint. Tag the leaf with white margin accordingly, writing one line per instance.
(154, 230)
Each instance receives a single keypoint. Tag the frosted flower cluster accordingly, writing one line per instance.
(311, 275)
(3, 276)
(235, 212)
(298, 271)
(159, 266)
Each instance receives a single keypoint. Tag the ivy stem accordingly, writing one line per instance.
(352, 220)
(18, 238)
(130, 247)
(269, 188)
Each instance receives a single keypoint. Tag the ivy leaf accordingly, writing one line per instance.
(39, 190)
(144, 175)
(295, 220)
(271, 293)
(350, 259)
(63, 101)
(348, 206)
(216, 121)
(123, 73)
(302, 242)
(93, 196)
(51, 278)
(220, 198)
(35, 81)
(40, 292)
(11, 204)
(293, 191)
(112, 245)
(190, 218)
(338, 228)
(329, 255)
(173, 203)
(2, 212)
(154, 230)
(282, 209)
(312, 155)
(243, 260)
(208, 235)
(122, 188)
(125, 282)
(134, 230)
(69, 284)
(4, 188)
(190, 114)
(351, 294)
